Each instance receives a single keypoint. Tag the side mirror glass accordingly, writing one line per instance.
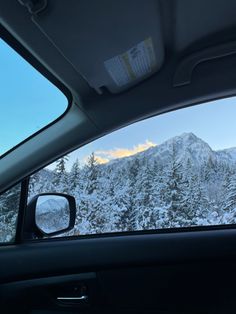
(49, 214)
(52, 213)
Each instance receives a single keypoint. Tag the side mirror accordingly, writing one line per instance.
(49, 214)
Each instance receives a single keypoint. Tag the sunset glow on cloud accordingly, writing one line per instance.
(101, 160)
(107, 155)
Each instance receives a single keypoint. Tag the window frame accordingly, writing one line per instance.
(24, 200)
(160, 231)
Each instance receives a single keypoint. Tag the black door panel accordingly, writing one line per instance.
(180, 288)
(155, 273)
(70, 256)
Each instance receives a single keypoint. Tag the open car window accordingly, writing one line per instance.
(176, 170)
(28, 101)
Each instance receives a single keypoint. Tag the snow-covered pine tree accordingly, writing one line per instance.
(91, 170)
(188, 188)
(175, 193)
(74, 178)
(90, 205)
(209, 169)
(230, 191)
(9, 206)
(147, 216)
(60, 180)
(128, 216)
(33, 184)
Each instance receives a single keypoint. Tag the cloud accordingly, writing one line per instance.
(101, 160)
(123, 152)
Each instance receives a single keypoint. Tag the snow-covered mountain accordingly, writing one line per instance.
(227, 155)
(181, 182)
(183, 147)
(55, 205)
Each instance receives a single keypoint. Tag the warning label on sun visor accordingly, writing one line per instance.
(135, 63)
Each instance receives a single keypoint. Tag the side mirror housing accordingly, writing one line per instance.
(49, 214)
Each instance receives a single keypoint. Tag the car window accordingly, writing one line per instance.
(174, 170)
(9, 207)
(28, 101)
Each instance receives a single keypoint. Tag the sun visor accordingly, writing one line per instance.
(112, 44)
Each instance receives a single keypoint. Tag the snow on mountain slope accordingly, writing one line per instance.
(55, 205)
(228, 155)
(183, 148)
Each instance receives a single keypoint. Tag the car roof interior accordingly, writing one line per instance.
(73, 43)
(195, 47)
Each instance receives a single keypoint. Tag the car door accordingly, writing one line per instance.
(125, 252)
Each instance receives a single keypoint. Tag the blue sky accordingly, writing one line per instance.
(29, 102)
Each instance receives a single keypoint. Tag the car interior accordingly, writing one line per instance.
(77, 45)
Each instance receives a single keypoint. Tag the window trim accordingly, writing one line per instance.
(21, 211)
(181, 230)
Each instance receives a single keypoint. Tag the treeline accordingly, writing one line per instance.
(139, 193)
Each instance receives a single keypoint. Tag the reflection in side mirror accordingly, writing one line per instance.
(49, 214)
(52, 213)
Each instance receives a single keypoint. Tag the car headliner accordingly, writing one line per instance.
(198, 38)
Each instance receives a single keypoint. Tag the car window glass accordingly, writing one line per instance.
(175, 170)
(9, 207)
(28, 101)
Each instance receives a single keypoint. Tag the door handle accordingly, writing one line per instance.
(83, 297)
